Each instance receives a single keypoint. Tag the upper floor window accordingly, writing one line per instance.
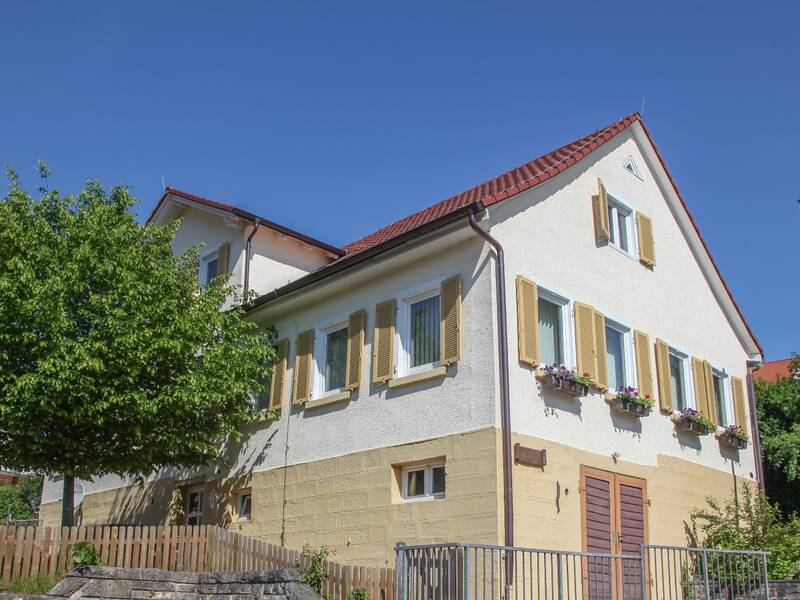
(261, 400)
(331, 358)
(722, 397)
(619, 355)
(424, 482)
(420, 330)
(209, 268)
(620, 225)
(679, 378)
(552, 328)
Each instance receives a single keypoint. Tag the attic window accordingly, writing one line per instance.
(631, 167)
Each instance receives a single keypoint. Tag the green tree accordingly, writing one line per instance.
(13, 505)
(113, 359)
(779, 425)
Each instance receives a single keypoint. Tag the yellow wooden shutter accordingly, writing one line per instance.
(278, 374)
(711, 395)
(355, 349)
(222, 259)
(600, 354)
(584, 339)
(647, 246)
(383, 342)
(662, 370)
(450, 332)
(700, 392)
(600, 213)
(739, 411)
(303, 364)
(527, 321)
(644, 372)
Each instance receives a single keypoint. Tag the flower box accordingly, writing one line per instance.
(628, 406)
(693, 427)
(573, 388)
(733, 441)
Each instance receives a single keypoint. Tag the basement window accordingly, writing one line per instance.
(424, 482)
(244, 505)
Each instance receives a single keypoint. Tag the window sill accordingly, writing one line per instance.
(418, 377)
(328, 400)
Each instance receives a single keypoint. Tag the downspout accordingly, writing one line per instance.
(248, 254)
(751, 400)
(505, 403)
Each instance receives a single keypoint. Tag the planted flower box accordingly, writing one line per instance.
(692, 421)
(573, 388)
(628, 406)
(735, 437)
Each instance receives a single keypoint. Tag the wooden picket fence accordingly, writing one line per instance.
(27, 552)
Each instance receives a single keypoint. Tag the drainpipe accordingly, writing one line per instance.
(751, 400)
(505, 403)
(248, 254)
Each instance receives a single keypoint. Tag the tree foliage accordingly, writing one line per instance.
(779, 425)
(113, 358)
(750, 522)
(13, 504)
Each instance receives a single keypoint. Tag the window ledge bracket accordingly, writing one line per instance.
(418, 377)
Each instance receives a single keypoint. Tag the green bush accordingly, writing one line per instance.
(358, 593)
(84, 554)
(314, 572)
(752, 523)
(11, 500)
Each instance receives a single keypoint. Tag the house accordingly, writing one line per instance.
(414, 405)
(774, 370)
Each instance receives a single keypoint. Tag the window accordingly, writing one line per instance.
(194, 507)
(721, 397)
(419, 328)
(678, 379)
(620, 225)
(209, 268)
(335, 359)
(244, 505)
(553, 317)
(424, 482)
(619, 355)
(261, 400)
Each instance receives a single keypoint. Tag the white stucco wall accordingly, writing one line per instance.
(548, 234)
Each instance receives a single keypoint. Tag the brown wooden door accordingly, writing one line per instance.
(614, 521)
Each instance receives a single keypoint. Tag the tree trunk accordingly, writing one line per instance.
(68, 502)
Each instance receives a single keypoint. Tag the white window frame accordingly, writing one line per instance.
(240, 505)
(628, 350)
(688, 377)
(321, 353)
(204, 265)
(428, 469)
(547, 293)
(403, 333)
(617, 205)
(726, 389)
(199, 513)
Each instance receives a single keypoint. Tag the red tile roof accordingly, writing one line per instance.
(771, 371)
(517, 180)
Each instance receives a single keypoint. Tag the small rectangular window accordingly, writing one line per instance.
(721, 398)
(424, 334)
(209, 268)
(335, 359)
(424, 482)
(244, 506)
(551, 346)
(615, 352)
(620, 225)
(261, 400)
(194, 507)
(677, 379)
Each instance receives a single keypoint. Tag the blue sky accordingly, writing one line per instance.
(336, 118)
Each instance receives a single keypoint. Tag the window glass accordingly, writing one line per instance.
(261, 401)
(424, 338)
(415, 483)
(438, 480)
(245, 506)
(676, 380)
(616, 357)
(335, 359)
(622, 221)
(550, 347)
(194, 508)
(719, 397)
(211, 269)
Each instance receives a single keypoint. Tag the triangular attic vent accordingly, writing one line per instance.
(631, 166)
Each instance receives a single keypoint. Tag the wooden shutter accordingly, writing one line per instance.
(527, 321)
(450, 333)
(600, 352)
(711, 394)
(303, 363)
(584, 339)
(383, 342)
(662, 370)
(222, 257)
(737, 386)
(600, 213)
(355, 348)
(278, 374)
(644, 372)
(700, 392)
(647, 246)
(597, 492)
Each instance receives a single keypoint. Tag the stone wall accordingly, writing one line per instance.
(785, 589)
(94, 583)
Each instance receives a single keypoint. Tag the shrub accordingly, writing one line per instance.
(84, 554)
(314, 572)
(358, 593)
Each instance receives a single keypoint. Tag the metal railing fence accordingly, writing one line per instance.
(489, 572)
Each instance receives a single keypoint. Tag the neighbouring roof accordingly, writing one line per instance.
(774, 370)
(246, 215)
